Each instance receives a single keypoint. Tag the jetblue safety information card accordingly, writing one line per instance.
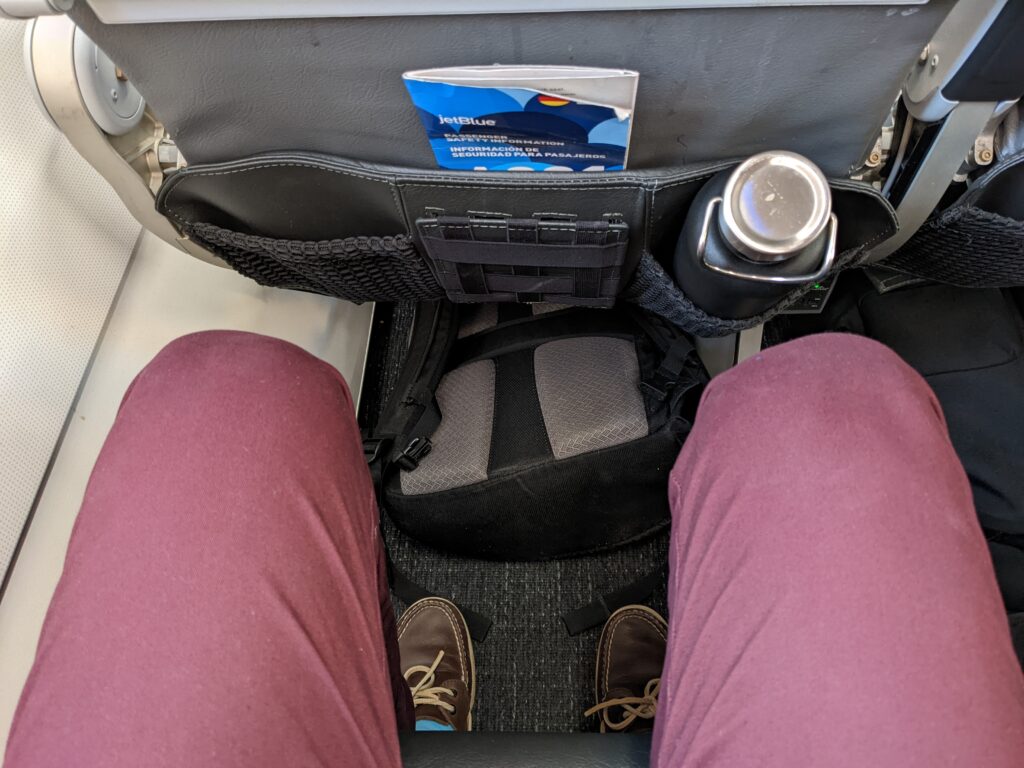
(525, 118)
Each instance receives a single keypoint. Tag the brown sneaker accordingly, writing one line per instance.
(630, 656)
(437, 662)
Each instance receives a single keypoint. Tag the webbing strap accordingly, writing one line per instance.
(408, 591)
(596, 613)
(679, 366)
(529, 332)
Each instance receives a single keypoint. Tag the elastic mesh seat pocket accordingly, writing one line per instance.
(353, 268)
(968, 247)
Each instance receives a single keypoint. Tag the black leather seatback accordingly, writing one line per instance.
(312, 197)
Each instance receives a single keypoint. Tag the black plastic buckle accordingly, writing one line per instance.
(417, 448)
(678, 383)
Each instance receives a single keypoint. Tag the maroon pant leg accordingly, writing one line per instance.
(832, 599)
(223, 601)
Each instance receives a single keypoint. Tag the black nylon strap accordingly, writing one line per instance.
(670, 373)
(412, 410)
(471, 278)
(408, 591)
(586, 283)
(509, 312)
(596, 613)
(518, 419)
(515, 337)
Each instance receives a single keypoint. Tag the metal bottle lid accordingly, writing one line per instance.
(774, 205)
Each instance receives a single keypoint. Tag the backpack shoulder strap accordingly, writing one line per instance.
(680, 368)
(530, 332)
(402, 434)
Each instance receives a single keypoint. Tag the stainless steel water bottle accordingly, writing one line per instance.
(756, 232)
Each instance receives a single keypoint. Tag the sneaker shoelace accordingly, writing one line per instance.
(424, 691)
(642, 707)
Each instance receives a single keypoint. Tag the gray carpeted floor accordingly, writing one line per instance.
(531, 675)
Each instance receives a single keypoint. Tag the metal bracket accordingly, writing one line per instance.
(720, 353)
(131, 163)
(749, 343)
(870, 170)
(983, 153)
(932, 177)
(942, 58)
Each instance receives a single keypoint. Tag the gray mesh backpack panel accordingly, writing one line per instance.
(589, 393)
(462, 443)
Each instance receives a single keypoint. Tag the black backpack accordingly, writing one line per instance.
(530, 432)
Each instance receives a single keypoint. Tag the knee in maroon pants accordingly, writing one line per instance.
(825, 419)
(232, 421)
(831, 597)
(831, 392)
(222, 600)
(225, 366)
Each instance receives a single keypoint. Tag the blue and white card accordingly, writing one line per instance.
(526, 118)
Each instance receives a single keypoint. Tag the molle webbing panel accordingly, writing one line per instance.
(497, 258)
